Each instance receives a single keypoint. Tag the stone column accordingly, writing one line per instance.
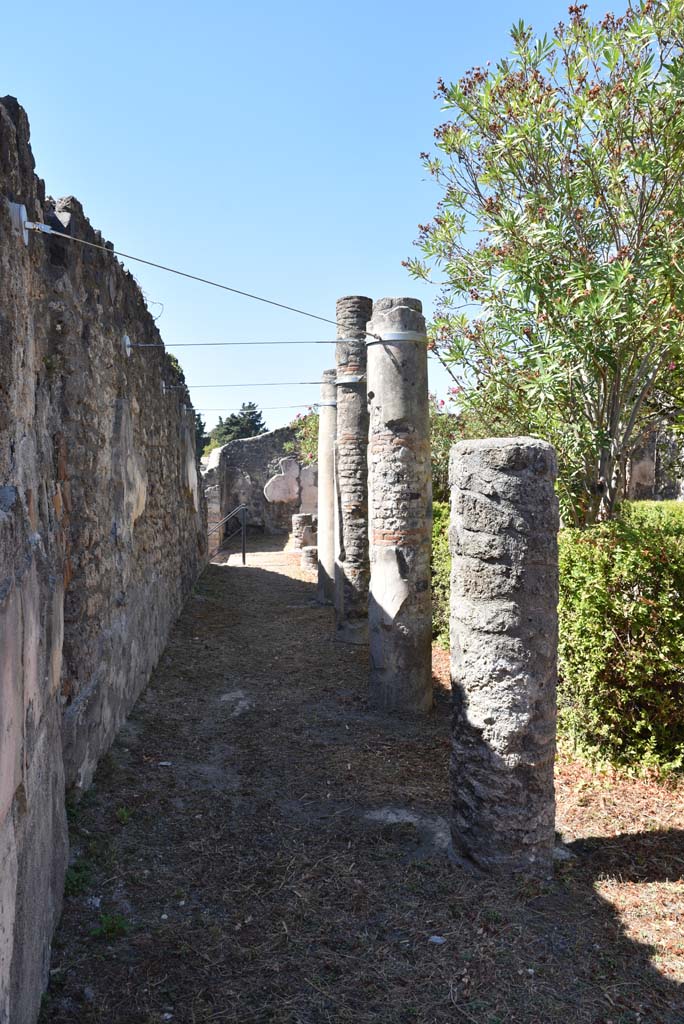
(400, 508)
(352, 568)
(504, 636)
(326, 488)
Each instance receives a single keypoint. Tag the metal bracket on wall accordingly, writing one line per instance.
(19, 219)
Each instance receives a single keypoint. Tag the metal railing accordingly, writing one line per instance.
(241, 511)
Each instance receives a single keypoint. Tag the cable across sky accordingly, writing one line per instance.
(226, 344)
(259, 384)
(263, 408)
(47, 230)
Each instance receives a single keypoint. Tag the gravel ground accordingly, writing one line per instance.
(259, 846)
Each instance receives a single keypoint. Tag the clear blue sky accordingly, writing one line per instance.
(274, 147)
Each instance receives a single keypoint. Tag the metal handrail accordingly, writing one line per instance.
(225, 519)
(242, 510)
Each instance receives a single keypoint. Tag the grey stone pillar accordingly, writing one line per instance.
(504, 630)
(400, 508)
(352, 569)
(326, 488)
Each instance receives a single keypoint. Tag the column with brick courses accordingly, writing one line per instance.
(352, 568)
(326, 488)
(504, 629)
(400, 508)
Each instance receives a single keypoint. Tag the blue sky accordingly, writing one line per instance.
(272, 147)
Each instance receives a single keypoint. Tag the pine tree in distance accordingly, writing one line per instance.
(248, 422)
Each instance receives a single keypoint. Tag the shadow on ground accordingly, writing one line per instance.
(261, 847)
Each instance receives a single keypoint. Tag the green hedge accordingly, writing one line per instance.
(621, 620)
(441, 572)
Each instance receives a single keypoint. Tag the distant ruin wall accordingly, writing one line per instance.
(239, 472)
(102, 534)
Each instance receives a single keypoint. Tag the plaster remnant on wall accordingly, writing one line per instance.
(308, 487)
(392, 588)
(129, 473)
(284, 486)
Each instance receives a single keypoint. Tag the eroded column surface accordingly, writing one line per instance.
(352, 569)
(326, 488)
(504, 629)
(400, 508)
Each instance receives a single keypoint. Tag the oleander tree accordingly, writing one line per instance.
(305, 443)
(558, 242)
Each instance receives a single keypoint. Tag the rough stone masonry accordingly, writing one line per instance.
(352, 569)
(102, 534)
(504, 636)
(400, 508)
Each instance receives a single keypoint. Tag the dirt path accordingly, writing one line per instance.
(260, 847)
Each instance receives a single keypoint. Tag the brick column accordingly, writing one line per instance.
(400, 508)
(352, 569)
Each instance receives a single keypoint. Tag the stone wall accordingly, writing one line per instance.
(258, 472)
(102, 534)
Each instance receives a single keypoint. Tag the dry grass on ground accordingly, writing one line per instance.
(260, 847)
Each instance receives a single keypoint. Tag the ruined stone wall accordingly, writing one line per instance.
(102, 534)
(242, 470)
